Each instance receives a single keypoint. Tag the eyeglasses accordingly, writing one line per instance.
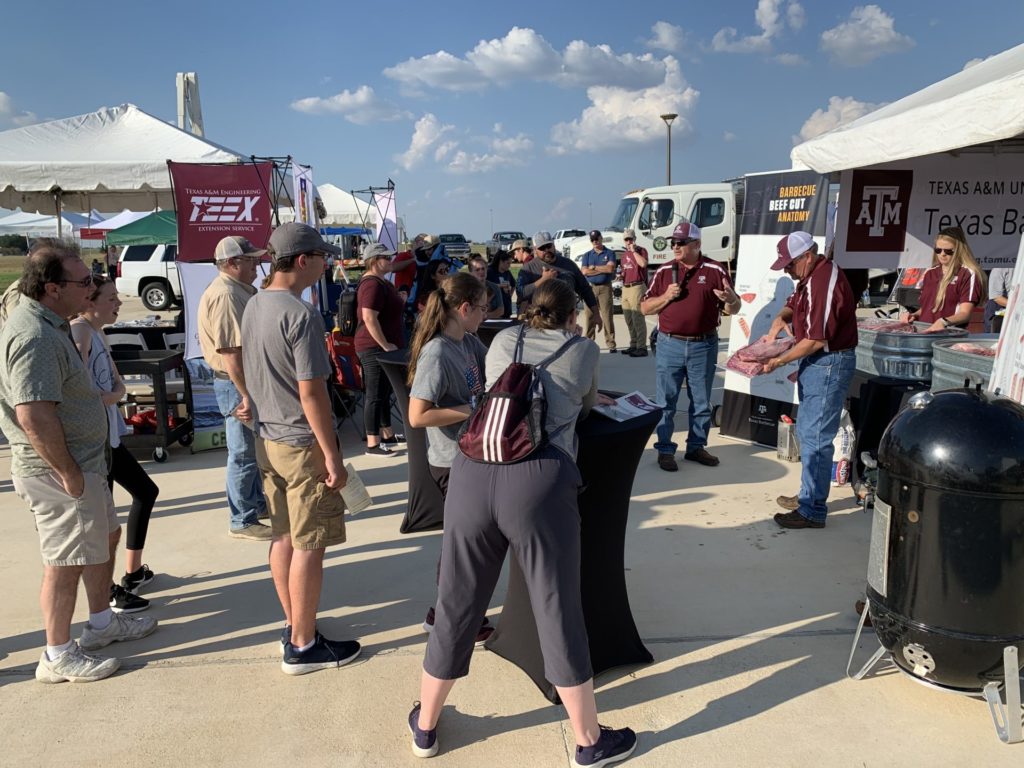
(947, 251)
(85, 282)
(525, 250)
(682, 243)
(629, 239)
(481, 307)
(546, 248)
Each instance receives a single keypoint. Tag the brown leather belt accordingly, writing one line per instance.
(702, 337)
(630, 285)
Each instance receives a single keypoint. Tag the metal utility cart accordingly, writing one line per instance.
(155, 365)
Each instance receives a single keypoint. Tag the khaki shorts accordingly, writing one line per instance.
(300, 505)
(71, 531)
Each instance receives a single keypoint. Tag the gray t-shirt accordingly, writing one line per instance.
(570, 381)
(284, 344)
(999, 282)
(448, 373)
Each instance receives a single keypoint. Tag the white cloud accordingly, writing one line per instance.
(666, 37)
(524, 55)
(839, 112)
(444, 149)
(972, 62)
(6, 105)
(459, 193)
(361, 106)
(25, 118)
(559, 211)
(620, 117)
(426, 134)
(769, 18)
(728, 137)
(790, 59)
(8, 111)
(866, 35)
(503, 152)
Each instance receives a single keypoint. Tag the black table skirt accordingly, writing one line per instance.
(874, 403)
(604, 511)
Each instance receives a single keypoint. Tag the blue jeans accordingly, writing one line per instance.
(694, 362)
(822, 385)
(244, 484)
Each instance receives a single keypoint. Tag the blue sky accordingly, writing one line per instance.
(529, 114)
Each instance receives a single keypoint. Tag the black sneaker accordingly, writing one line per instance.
(324, 654)
(140, 578)
(123, 601)
(286, 637)
(395, 439)
(612, 747)
(424, 743)
(379, 450)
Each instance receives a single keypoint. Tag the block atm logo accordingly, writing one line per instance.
(879, 208)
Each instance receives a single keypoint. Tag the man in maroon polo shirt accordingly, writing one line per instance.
(688, 295)
(634, 286)
(822, 311)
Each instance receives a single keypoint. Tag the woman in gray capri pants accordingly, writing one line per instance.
(530, 507)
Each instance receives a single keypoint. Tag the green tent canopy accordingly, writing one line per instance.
(160, 228)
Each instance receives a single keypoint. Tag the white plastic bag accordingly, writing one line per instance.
(843, 450)
(356, 497)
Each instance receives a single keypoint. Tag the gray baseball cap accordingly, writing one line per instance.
(294, 238)
(541, 239)
(234, 247)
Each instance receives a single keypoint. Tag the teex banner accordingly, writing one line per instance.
(217, 200)
(774, 204)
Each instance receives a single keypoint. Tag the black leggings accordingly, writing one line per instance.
(126, 472)
(377, 405)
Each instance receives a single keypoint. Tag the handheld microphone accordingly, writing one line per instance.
(675, 276)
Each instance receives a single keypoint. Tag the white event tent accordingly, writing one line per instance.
(981, 105)
(343, 209)
(121, 219)
(113, 158)
(34, 224)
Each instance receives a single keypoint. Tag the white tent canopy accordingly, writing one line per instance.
(343, 209)
(124, 217)
(34, 225)
(980, 105)
(113, 158)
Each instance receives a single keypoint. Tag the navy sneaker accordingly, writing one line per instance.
(286, 637)
(612, 747)
(323, 654)
(424, 743)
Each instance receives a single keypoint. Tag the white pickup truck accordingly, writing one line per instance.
(149, 272)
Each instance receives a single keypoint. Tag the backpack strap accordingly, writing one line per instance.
(558, 352)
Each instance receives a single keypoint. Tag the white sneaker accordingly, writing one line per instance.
(121, 627)
(74, 666)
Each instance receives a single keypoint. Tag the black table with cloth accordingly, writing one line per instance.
(604, 510)
(490, 328)
(153, 335)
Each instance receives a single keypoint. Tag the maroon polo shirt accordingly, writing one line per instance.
(631, 271)
(697, 311)
(374, 293)
(962, 289)
(824, 308)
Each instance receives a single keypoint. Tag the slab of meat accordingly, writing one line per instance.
(886, 326)
(974, 349)
(749, 361)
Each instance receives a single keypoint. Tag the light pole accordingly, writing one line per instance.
(668, 118)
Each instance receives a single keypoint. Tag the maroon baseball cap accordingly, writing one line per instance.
(686, 231)
(791, 247)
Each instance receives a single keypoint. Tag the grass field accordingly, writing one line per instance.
(10, 270)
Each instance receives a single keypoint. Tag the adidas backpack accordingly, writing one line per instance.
(508, 423)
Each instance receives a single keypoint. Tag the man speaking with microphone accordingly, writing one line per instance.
(688, 295)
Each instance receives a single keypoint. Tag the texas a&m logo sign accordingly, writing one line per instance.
(879, 210)
(209, 209)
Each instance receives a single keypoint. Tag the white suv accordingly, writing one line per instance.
(149, 272)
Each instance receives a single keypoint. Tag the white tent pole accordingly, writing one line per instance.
(60, 228)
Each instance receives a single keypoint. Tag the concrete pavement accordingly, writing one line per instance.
(749, 625)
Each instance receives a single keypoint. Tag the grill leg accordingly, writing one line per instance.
(875, 657)
(1008, 719)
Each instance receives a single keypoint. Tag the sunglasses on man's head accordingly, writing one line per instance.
(947, 251)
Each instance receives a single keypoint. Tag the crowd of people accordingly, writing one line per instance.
(59, 390)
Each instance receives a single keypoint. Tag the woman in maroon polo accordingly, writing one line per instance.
(953, 286)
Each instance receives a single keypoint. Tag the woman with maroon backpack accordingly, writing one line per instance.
(531, 507)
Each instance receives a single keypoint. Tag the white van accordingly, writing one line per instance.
(149, 272)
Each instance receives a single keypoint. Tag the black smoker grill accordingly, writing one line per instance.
(946, 567)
